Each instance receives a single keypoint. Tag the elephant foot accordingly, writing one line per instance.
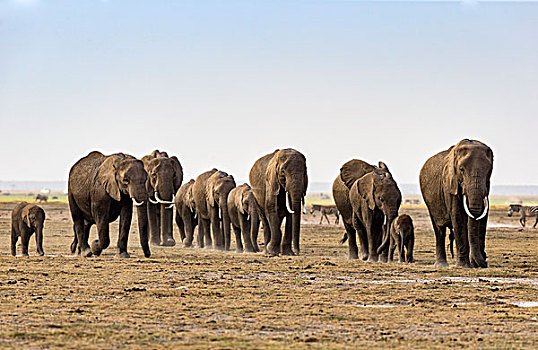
(373, 258)
(74, 247)
(480, 263)
(123, 255)
(155, 242)
(25, 254)
(273, 249)
(287, 251)
(383, 258)
(250, 250)
(464, 263)
(440, 263)
(411, 260)
(96, 248)
(364, 255)
(85, 253)
(41, 253)
(147, 254)
(353, 255)
(256, 249)
(170, 242)
(187, 245)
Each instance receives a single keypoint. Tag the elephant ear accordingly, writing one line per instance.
(382, 165)
(365, 187)
(107, 177)
(353, 170)
(272, 185)
(178, 172)
(240, 205)
(189, 199)
(26, 215)
(450, 178)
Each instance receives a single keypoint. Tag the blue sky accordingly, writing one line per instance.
(220, 83)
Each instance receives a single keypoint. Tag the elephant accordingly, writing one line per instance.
(25, 220)
(277, 179)
(210, 192)
(165, 176)
(101, 188)
(455, 185)
(402, 235)
(366, 196)
(244, 218)
(186, 218)
(41, 198)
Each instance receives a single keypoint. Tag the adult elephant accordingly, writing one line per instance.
(455, 185)
(277, 179)
(186, 219)
(101, 188)
(165, 176)
(366, 196)
(210, 192)
(244, 218)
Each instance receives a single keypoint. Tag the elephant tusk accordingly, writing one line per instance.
(248, 217)
(152, 201)
(137, 203)
(486, 205)
(170, 206)
(384, 220)
(466, 208)
(161, 201)
(220, 214)
(288, 203)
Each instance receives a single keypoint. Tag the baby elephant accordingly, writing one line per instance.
(25, 220)
(402, 233)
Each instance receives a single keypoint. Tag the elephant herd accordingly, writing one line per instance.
(455, 185)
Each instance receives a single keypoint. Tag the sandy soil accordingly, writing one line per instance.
(202, 298)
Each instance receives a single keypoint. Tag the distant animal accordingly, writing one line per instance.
(41, 198)
(25, 220)
(326, 210)
(525, 211)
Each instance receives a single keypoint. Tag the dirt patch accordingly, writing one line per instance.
(202, 298)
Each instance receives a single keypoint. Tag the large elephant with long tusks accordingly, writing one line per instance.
(165, 176)
(100, 189)
(279, 182)
(455, 185)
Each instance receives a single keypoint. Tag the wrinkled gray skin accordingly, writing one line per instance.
(244, 218)
(100, 189)
(464, 170)
(27, 219)
(276, 179)
(210, 192)
(186, 218)
(402, 235)
(165, 176)
(376, 199)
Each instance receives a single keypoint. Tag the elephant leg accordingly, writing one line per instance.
(74, 244)
(126, 216)
(25, 240)
(273, 247)
(189, 224)
(207, 233)
(266, 229)
(483, 227)
(410, 247)
(352, 238)
(255, 228)
(78, 226)
(103, 233)
(286, 242)
(392, 248)
(440, 252)
(14, 239)
(401, 245)
(181, 226)
(238, 242)
(154, 223)
(166, 226)
(363, 239)
(245, 226)
(535, 222)
(142, 217)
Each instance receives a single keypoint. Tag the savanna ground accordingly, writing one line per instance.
(202, 298)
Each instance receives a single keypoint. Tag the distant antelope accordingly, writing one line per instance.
(525, 211)
(326, 210)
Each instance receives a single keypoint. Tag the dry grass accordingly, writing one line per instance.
(200, 298)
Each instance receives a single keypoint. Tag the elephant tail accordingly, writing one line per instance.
(344, 238)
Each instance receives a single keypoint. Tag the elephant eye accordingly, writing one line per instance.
(461, 169)
(125, 180)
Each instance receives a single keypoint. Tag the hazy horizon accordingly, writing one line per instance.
(222, 83)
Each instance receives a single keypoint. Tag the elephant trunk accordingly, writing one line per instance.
(386, 232)
(254, 227)
(296, 204)
(225, 221)
(142, 214)
(138, 194)
(39, 236)
(475, 243)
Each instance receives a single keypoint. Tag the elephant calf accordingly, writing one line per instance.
(244, 218)
(25, 220)
(402, 234)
